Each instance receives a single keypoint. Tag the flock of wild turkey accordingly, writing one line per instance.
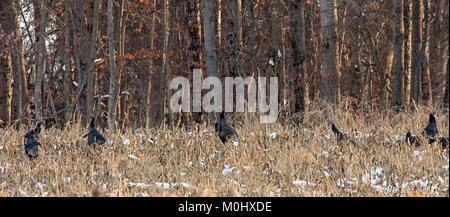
(225, 132)
(430, 132)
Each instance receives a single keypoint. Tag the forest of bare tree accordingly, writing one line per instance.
(62, 60)
(358, 107)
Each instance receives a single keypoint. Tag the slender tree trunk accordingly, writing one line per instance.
(166, 35)
(298, 54)
(425, 53)
(210, 41)
(193, 39)
(67, 62)
(112, 69)
(6, 72)
(151, 67)
(446, 86)
(416, 46)
(398, 67)
(328, 45)
(92, 31)
(337, 55)
(442, 66)
(251, 44)
(121, 51)
(238, 30)
(9, 22)
(40, 62)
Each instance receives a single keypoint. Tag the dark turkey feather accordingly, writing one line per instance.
(94, 136)
(31, 145)
(336, 132)
(431, 129)
(223, 129)
(410, 139)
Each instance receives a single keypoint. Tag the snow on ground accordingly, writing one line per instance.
(303, 183)
(125, 141)
(132, 157)
(273, 135)
(227, 170)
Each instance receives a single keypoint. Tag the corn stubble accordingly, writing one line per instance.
(268, 160)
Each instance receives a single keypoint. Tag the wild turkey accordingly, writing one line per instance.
(336, 132)
(410, 139)
(31, 145)
(443, 141)
(340, 136)
(223, 129)
(94, 135)
(37, 129)
(431, 129)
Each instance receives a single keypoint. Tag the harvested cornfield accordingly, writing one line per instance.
(265, 160)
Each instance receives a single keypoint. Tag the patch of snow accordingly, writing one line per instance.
(324, 153)
(165, 185)
(125, 141)
(327, 136)
(132, 157)
(273, 135)
(216, 153)
(227, 170)
(139, 185)
(271, 62)
(235, 143)
(40, 185)
(346, 181)
(278, 191)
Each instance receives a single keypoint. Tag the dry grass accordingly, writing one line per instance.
(297, 161)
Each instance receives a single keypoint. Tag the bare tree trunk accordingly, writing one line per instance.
(112, 69)
(238, 29)
(398, 67)
(337, 56)
(416, 46)
(442, 63)
(6, 72)
(92, 30)
(121, 51)
(9, 22)
(387, 79)
(151, 65)
(210, 41)
(298, 54)
(67, 62)
(251, 44)
(425, 53)
(40, 62)
(446, 86)
(328, 45)
(166, 35)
